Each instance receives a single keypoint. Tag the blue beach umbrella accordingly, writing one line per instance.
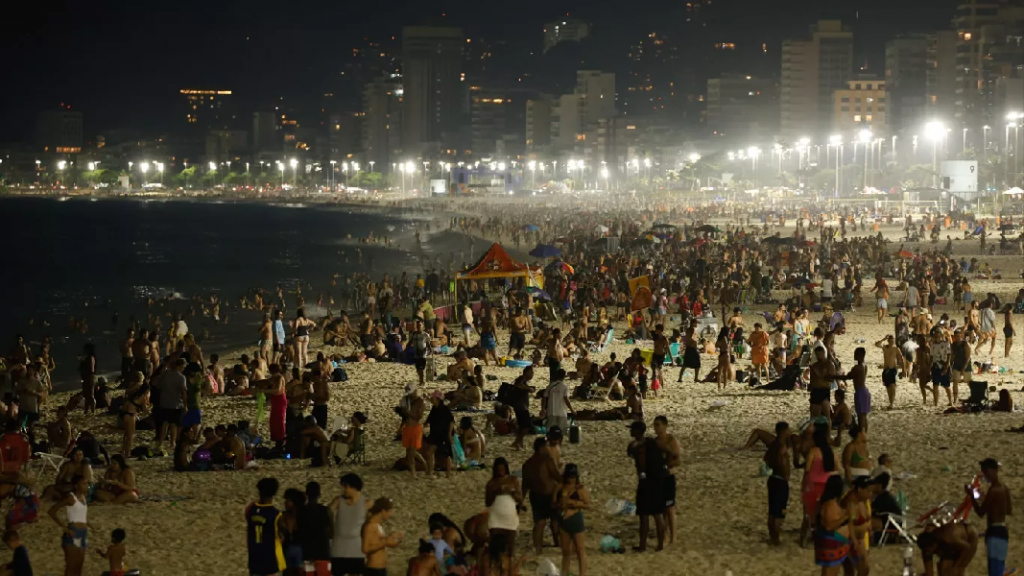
(545, 251)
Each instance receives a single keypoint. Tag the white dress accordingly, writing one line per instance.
(502, 514)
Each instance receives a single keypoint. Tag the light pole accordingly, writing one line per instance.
(248, 176)
(894, 149)
(213, 168)
(984, 138)
(963, 145)
(145, 168)
(333, 162)
(372, 162)
(864, 137)
(280, 166)
(533, 173)
(837, 141)
(160, 169)
(935, 131)
(295, 172)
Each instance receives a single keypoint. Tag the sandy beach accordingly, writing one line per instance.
(196, 525)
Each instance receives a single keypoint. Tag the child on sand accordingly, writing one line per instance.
(115, 553)
(19, 564)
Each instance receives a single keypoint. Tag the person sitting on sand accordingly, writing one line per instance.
(355, 430)
(473, 442)
(229, 452)
(425, 562)
(118, 484)
(187, 439)
(76, 465)
(308, 432)
(58, 432)
(461, 365)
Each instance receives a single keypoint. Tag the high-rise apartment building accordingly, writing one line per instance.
(564, 31)
(861, 104)
(266, 135)
(989, 51)
(812, 70)
(906, 82)
(742, 108)
(382, 122)
(432, 80)
(498, 118)
(59, 131)
(538, 122)
(941, 76)
(592, 100)
(207, 109)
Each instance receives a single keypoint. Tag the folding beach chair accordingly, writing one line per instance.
(44, 461)
(356, 453)
(896, 526)
(673, 353)
(605, 341)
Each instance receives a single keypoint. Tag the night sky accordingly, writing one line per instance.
(122, 63)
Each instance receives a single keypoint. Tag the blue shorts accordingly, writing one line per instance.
(192, 417)
(79, 538)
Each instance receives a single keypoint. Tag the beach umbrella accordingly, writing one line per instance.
(654, 239)
(562, 240)
(559, 265)
(698, 242)
(906, 254)
(545, 251)
(642, 242)
(708, 228)
(538, 293)
(777, 240)
(1015, 191)
(663, 226)
(531, 228)
(808, 243)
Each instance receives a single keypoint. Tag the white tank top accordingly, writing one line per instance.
(348, 527)
(78, 512)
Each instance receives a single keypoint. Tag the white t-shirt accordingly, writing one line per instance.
(556, 400)
(912, 295)
(826, 287)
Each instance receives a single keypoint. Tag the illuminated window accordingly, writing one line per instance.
(856, 117)
(868, 117)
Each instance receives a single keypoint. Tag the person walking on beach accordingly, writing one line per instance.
(412, 430)
(279, 340)
(777, 460)
(172, 401)
(995, 507)
(540, 480)
(881, 291)
(419, 341)
(87, 371)
(861, 395)
(261, 518)
(571, 498)
(661, 350)
(890, 366)
(349, 513)
(75, 534)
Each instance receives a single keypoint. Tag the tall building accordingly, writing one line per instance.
(344, 135)
(207, 109)
(989, 51)
(538, 123)
(906, 82)
(266, 136)
(812, 70)
(564, 31)
(59, 131)
(862, 104)
(432, 82)
(592, 100)
(382, 122)
(941, 75)
(653, 77)
(743, 108)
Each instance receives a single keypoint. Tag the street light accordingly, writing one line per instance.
(963, 146)
(837, 141)
(984, 137)
(864, 137)
(295, 172)
(280, 166)
(160, 169)
(333, 162)
(145, 168)
(935, 131)
(533, 173)
(92, 166)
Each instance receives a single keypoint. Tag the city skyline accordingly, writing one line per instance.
(123, 66)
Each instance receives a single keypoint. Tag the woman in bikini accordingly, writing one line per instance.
(856, 456)
(136, 399)
(302, 327)
(570, 500)
(118, 484)
(857, 503)
(819, 468)
(832, 532)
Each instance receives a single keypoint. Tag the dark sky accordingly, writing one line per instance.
(122, 62)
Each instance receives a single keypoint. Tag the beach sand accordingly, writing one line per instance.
(721, 497)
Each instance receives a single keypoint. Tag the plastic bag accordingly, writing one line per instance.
(610, 543)
(546, 567)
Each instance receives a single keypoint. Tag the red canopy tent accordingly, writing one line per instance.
(497, 263)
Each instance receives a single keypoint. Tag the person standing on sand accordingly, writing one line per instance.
(274, 387)
(278, 336)
(987, 327)
(881, 291)
(75, 534)
(777, 460)
(172, 401)
(960, 362)
(1008, 331)
(861, 395)
(87, 371)
(266, 341)
(520, 403)
(941, 355)
(518, 328)
(995, 507)
(661, 350)
(890, 366)
(262, 520)
(650, 497)
(125, 348)
(822, 373)
(673, 458)
(419, 341)
(503, 495)
(375, 541)
(691, 354)
(412, 430)
(540, 480)
(349, 513)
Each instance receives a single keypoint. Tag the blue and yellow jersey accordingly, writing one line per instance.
(265, 553)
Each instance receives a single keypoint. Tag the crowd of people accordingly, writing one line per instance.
(663, 274)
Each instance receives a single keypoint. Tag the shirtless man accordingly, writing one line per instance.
(375, 542)
(141, 355)
(890, 365)
(861, 395)
(412, 431)
(954, 543)
(424, 563)
(518, 328)
(321, 397)
(673, 458)
(556, 353)
(777, 459)
(266, 340)
(125, 347)
(540, 480)
(193, 351)
(822, 372)
(661, 350)
(58, 432)
(232, 445)
(996, 506)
